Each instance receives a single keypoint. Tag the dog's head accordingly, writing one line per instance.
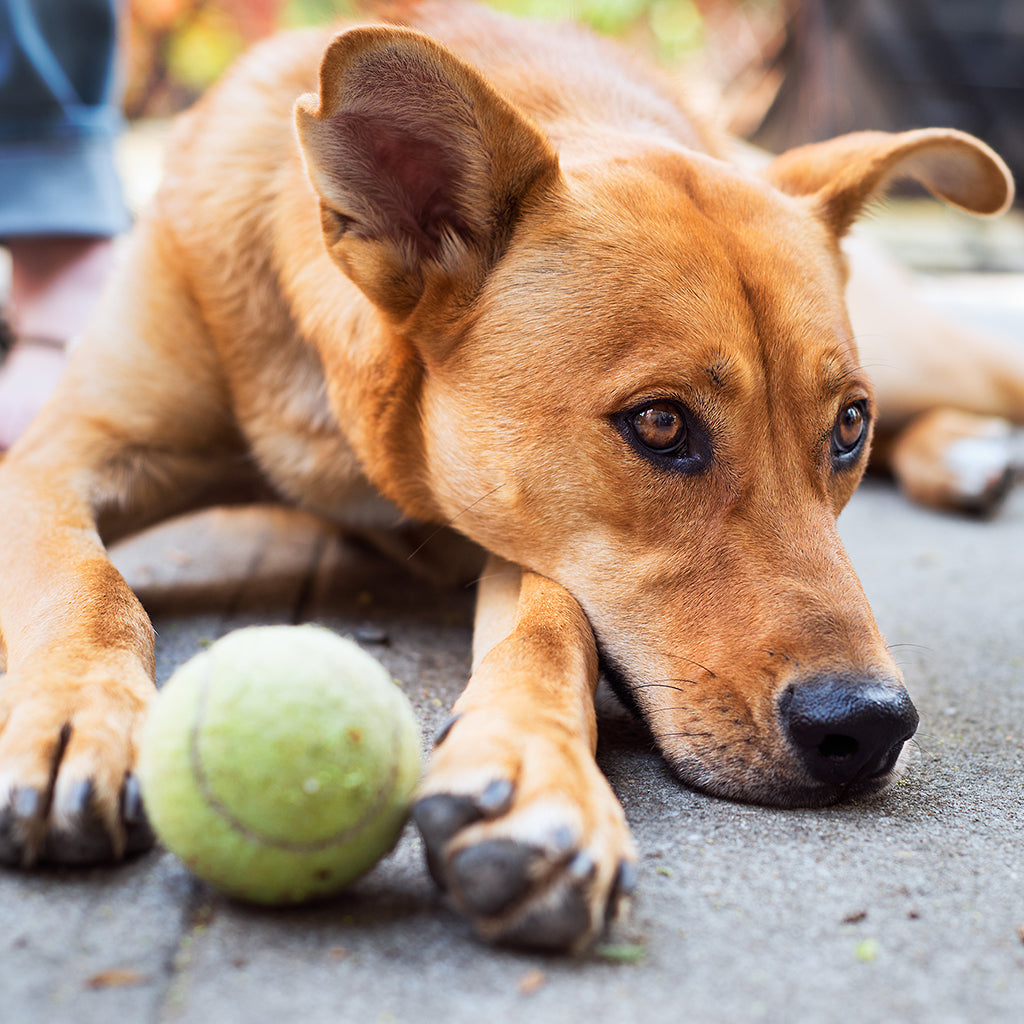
(634, 374)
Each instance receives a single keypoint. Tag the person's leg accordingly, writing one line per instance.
(60, 198)
(54, 284)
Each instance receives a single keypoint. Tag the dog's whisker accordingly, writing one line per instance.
(448, 524)
(690, 661)
(666, 684)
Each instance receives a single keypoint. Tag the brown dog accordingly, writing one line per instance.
(502, 280)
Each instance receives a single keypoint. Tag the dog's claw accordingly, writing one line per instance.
(623, 887)
(546, 894)
(72, 831)
(26, 803)
(78, 799)
(496, 798)
(77, 833)
(19, 826)
(438, 818)
(582, 868)
(132, 809)
(625, 879)
(138, 834)
(442, 733)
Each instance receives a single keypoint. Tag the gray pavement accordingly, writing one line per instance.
(909, 908)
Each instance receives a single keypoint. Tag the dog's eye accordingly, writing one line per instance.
(667, 434)
(660, 427)
(849, 432)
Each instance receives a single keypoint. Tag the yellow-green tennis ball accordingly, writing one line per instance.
(279, 764)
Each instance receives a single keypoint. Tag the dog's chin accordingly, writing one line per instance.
(780, 789)
(772, 782)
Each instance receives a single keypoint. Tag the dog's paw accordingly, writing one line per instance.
(67, 792)
(525, 834)
(956, 460)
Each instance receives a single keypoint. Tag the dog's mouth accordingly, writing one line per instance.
(829, 740)
(775, 789)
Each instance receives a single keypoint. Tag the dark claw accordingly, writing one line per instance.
(442, 734)
(563, 841)
(79, 799)
(25, 803)
(553, 927)
(496, 798)
(131, 801)
(625, 878)
(82, 837)
(438, 818)
(18, 824)
(623, 886)
(582, 867)
(138, 833)
(491, 876)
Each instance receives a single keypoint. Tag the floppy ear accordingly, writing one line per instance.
(844, 173)
(421, 167)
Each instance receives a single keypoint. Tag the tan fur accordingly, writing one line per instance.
(448, 329)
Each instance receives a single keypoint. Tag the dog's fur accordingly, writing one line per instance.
(500, 267)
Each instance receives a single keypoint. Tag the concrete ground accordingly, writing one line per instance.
(909, 908)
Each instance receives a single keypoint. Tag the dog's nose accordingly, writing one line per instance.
(846, 729)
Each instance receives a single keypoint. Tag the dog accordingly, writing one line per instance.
(457, 269)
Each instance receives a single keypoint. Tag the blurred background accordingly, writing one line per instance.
(776, 72)
(780, 72)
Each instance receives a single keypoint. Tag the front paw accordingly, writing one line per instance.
(67, 752)
(524, 833)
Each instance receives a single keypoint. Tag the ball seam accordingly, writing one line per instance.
(204, 786)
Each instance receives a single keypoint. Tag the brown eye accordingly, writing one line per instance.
(849, 431)
(660, 426)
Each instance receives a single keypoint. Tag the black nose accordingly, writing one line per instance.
(846, 729)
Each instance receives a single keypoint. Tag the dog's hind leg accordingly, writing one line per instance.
(951, 397)
(519, 824)
(137, 429)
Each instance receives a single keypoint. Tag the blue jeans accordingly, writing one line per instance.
(59, 119)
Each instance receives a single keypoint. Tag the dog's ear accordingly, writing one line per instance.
(422, 168)
(844, 173)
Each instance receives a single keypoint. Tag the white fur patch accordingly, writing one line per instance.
(978, 463)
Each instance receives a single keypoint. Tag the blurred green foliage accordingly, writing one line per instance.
(179, 47)
(675, 26)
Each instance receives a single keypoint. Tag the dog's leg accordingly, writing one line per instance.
(79, 678)
(949, 396)
(135, 431)
(520, 825)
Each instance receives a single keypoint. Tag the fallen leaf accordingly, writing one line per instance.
(116, 977)
(531, 981)
(867, 950)
(621, 952)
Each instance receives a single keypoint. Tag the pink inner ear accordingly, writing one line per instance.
(408, 183)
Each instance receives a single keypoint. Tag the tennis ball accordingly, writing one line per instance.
(279, 764)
